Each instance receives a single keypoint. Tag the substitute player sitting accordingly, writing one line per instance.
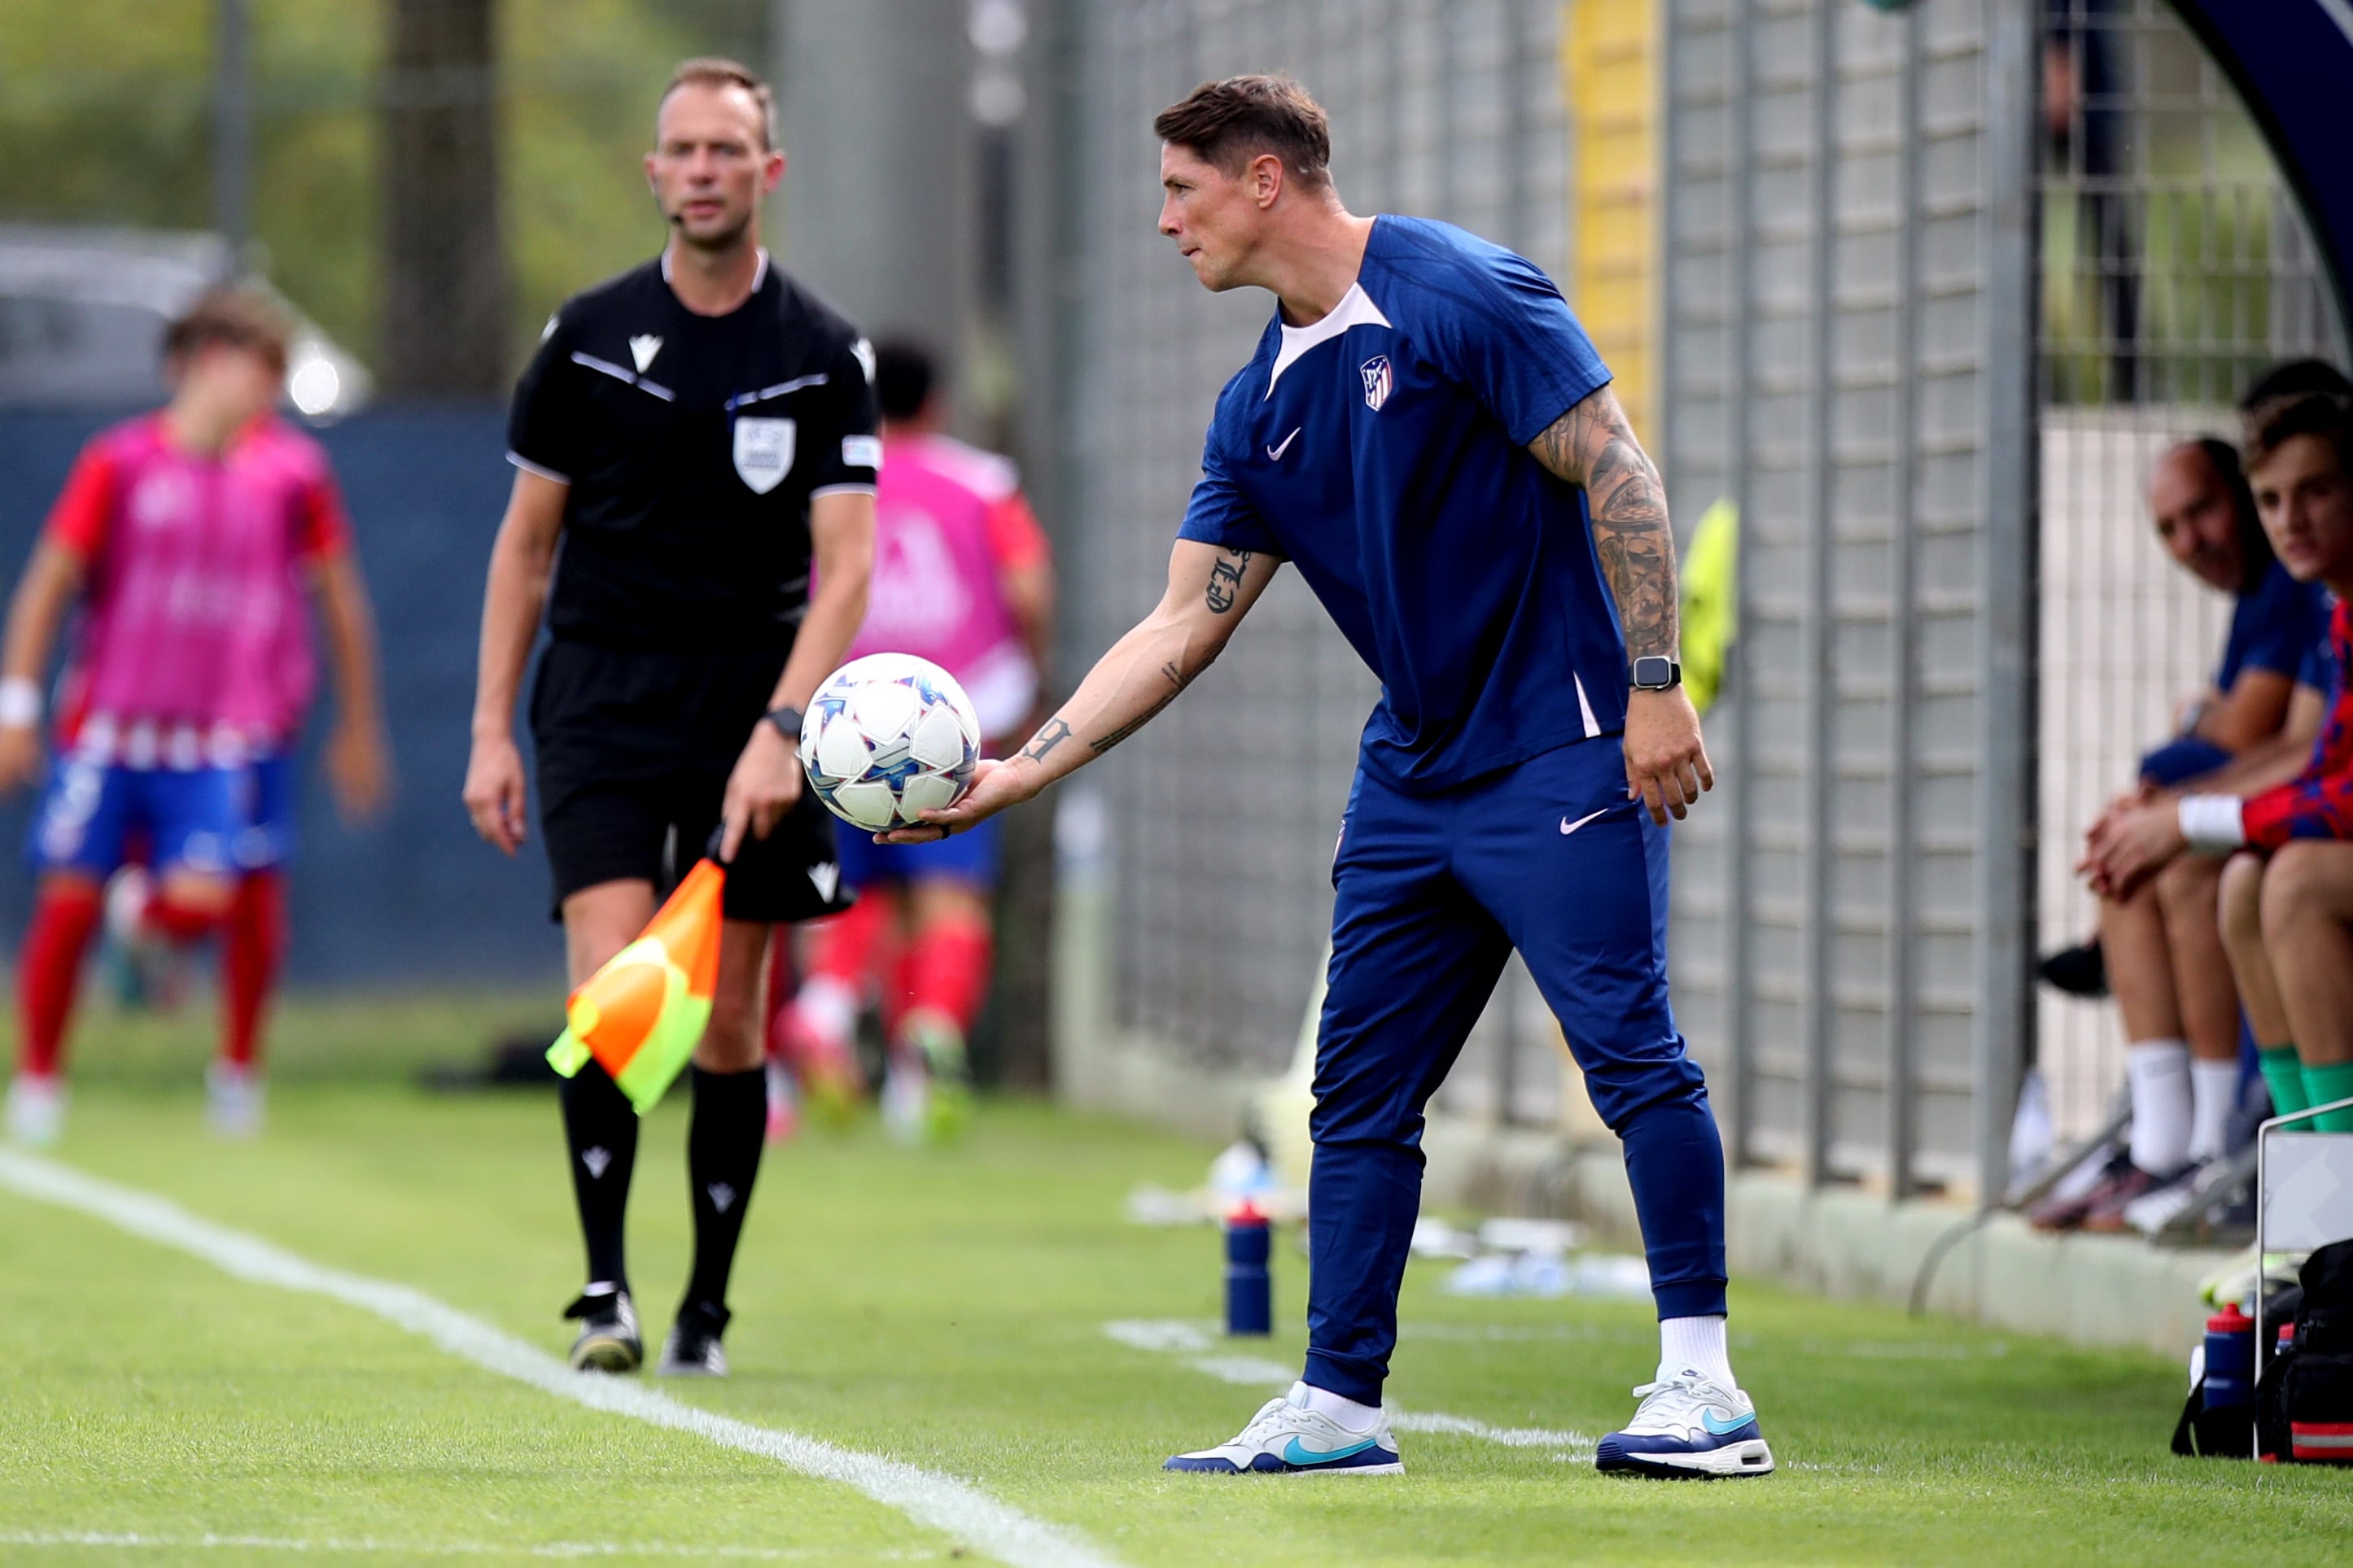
(1428, 433)
(192, 539)
(699, 434)
(962, 578)
(2162, 942)
(2288, 899)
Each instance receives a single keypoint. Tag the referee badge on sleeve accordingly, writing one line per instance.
(764, 452)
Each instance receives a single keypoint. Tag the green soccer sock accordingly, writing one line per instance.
(2322, 1085)
(2284, 1076)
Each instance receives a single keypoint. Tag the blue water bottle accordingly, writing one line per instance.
(2230, 1358)
(1250, 1288)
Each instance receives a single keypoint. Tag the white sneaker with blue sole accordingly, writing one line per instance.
(1286, 1438)
(1689, 1426)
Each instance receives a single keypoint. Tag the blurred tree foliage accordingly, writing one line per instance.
(105, 110)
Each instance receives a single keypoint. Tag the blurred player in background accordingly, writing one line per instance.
(962, 578)
(193, 539)
(698, 434)
(1428, 433)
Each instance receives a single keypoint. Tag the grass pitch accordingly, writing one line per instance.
(947, 1308)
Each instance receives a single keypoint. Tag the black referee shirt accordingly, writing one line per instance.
(692, 446)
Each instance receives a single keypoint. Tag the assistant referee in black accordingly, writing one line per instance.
(698, 434)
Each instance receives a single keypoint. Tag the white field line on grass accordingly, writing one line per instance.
(941, 1502)
(83, 1539)
(1169, 1336)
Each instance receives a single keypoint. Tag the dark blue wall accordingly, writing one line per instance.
(416, 897)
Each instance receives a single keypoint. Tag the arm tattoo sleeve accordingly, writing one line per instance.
(1593, 446)
(1226, 580)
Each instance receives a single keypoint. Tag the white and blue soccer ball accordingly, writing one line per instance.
(887, 738)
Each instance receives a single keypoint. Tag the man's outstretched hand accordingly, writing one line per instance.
(995, 785)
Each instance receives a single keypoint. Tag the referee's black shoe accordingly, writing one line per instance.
(609, 1340)
(693, 1349)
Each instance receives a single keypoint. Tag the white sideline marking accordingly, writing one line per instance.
(1170, 1336)
(941, 1502)
(88, 1538)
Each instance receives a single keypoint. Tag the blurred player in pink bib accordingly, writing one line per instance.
(962, 578)
(191, 538)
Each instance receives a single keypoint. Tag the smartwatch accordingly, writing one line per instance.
(787, 721)
(1656, 672)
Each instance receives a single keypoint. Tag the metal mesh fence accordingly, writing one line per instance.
(1223, 813)
(1840, 300)
(2174, 266)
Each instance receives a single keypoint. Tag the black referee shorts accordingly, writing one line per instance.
(634, 750)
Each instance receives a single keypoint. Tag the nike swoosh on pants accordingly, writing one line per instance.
(1567, 828)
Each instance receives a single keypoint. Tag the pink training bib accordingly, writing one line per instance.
(937, 592)
(194, 627)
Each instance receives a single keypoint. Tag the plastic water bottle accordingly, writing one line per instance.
(1250, 1288)
(2230, 1358)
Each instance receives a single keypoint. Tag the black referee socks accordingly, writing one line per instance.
(601, 1125)
(723, 1159)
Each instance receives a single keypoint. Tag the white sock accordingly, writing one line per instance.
(828, 1008)
(2158, 1071)
(2214, 1089)
(1697, 1344)
(1350, 1414)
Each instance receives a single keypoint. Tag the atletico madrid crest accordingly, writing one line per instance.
(1378, 381)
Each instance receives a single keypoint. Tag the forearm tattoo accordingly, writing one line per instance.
(1226, 580)
(1177, 682)
(1054, 732)
(1593, 446)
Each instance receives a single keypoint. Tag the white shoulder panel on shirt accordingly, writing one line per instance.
(986, 474)
(1355, 309)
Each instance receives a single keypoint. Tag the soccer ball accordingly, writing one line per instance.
(888, 737)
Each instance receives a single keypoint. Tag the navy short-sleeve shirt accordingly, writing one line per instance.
(1383, 450)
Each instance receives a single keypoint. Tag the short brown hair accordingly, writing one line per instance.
(238, 318)
(1226, 123)
(712, 71)
(2273, 423)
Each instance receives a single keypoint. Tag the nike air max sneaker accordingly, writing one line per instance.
(693, 1349)
(609, 1340)
(1688, 1426)
(1286, 1438)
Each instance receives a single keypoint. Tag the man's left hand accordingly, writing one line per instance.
(1666, 763)
(763, 786)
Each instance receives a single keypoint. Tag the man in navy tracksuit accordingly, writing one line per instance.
(1427, 433)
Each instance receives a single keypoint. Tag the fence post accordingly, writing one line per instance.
(2008, 581)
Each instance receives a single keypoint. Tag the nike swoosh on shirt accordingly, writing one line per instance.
(1274, 453)
(1567, 828)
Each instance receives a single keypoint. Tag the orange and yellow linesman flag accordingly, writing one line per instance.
(641, 1016)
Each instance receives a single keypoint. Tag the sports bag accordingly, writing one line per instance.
(2303, 1401)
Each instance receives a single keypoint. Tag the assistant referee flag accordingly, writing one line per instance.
(643, 1013)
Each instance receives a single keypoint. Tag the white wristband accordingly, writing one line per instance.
(2214, 824)
(20, 703)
